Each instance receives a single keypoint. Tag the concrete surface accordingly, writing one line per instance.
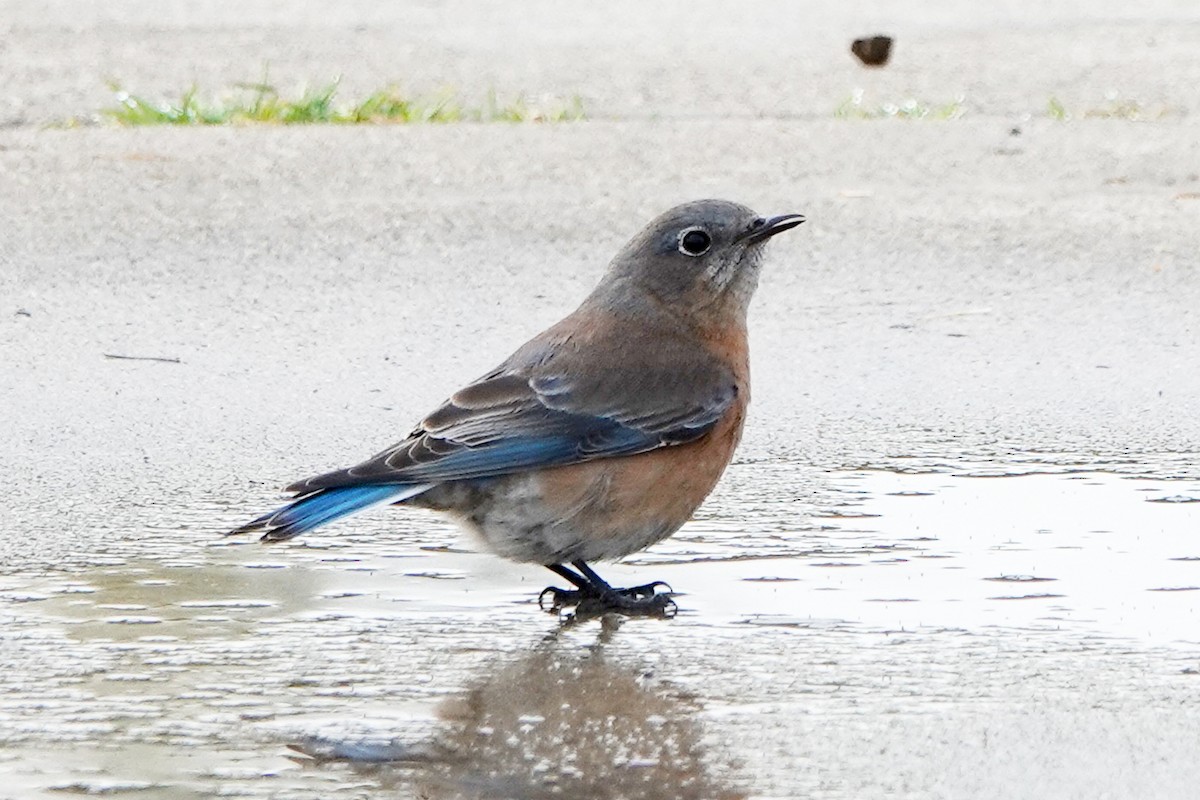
(676, 59)
(998, 294)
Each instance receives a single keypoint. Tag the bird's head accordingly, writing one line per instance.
(700, 256)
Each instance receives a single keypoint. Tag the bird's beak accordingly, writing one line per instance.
(764, 229)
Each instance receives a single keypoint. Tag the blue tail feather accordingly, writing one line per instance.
(325, 506)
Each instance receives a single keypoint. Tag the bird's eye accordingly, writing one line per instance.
(694, 242)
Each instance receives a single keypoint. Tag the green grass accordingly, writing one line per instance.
(1114, 108)
(1056, 110)
(857, 107)
(854, 107)
(263, 103)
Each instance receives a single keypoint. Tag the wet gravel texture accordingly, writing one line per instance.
(956, 555)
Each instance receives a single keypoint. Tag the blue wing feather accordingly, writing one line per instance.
(510, 421)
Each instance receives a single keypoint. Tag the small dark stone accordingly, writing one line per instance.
(873, 51)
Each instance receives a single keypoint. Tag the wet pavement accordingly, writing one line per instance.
(912, 634)
(958, 554)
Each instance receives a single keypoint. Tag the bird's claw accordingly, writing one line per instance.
(661, 606)
(647, 590)
(559, 599)
(636, 601)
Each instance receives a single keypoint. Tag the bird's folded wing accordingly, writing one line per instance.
(516, 419)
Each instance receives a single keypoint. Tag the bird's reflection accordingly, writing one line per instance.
(560, 721)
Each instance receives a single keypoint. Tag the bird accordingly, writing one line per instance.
(599, 436)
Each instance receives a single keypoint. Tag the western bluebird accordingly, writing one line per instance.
(601, 435)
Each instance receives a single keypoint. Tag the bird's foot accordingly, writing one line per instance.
(558, 599)
(636, 601)
(646, 590)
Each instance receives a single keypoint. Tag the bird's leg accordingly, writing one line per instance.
(561, 598)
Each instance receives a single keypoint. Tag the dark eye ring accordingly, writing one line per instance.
(694, 242)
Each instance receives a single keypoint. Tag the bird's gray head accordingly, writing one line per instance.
(700, 255)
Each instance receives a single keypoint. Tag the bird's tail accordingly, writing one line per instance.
(326, 505)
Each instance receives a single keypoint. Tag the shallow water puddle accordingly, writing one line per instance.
(876, 592)
(1094, 554)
